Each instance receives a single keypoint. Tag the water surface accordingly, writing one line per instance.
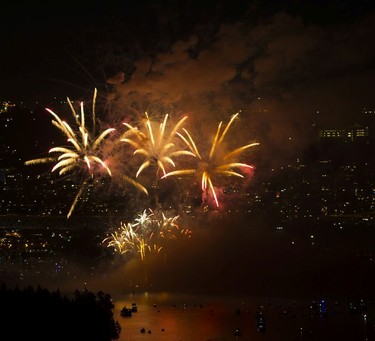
(180, 317)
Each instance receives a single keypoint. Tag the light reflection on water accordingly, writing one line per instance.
(178, 317)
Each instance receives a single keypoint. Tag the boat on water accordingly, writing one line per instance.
(260, 322)
(126, 312)
(237, 332)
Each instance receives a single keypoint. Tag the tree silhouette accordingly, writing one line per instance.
(37, 313)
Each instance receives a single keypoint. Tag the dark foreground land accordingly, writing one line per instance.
(39, 314)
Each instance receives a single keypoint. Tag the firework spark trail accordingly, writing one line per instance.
(124, 240)
(151, 227)
(154, 143)
(143, 219)
(83, 152)
(145, 234)
(215, 164)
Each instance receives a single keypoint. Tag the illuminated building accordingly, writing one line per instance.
(347, 135)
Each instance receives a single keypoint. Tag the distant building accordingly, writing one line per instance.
(347, 135)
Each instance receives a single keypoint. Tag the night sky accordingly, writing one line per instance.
(287, 65)
(297, 56)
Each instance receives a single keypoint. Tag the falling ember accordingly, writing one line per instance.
(216, 163)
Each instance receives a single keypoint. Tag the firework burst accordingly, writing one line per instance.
(145, 234)
(124, 240)
(155, 142)
(216, 163)
(83, 152)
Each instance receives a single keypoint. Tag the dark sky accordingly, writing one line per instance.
(279, 44)
(280, 61)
